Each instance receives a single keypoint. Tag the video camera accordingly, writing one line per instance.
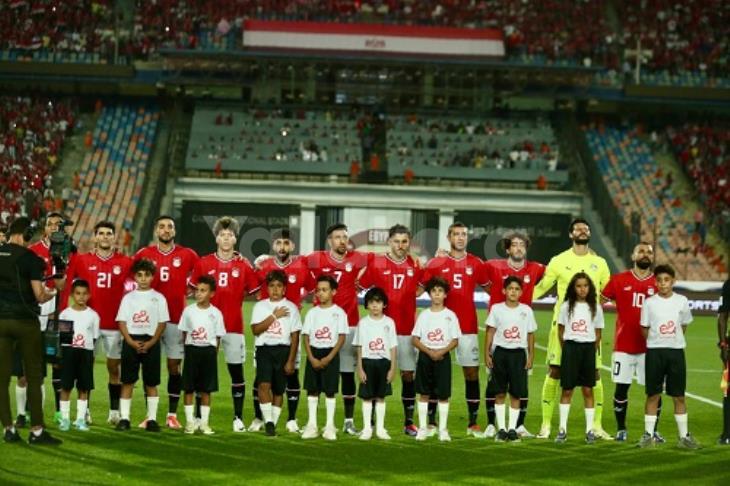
(61, 246)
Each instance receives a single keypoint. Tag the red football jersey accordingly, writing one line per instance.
(463, 275)
(107, 277)
(400, 282)
(234, 279)
(173, 272)
(345, 272)
(41, 249)
(499, 269)
(629, 292)
(299, 278)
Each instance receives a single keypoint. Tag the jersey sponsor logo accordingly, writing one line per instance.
(292, 278)
(275, 329)
(141, 318)
(435, 336)
(668, 329)
(200, 334)
(176, 262)
(116, 270)
(594, 267)
(512, 334)
(78, 341)
(235, 273)
(376, 345)
(323, 334)
(579, 326)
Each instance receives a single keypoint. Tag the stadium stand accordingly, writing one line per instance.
(32, 134)
(632, 175)
(113, 172)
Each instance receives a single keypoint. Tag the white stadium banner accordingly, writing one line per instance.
(373, 38)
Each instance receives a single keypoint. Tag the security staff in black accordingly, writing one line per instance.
(21, 290)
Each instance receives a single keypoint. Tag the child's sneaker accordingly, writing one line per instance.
(292, 426)
(490, 432)
(349, 428)
(173, 423)
(501, 436)
(256, 426)
(602, 434)
(432, 430)
(410, 430)
(422, 434)
(143, 424)
(114, 417)
(382, 434)
(310, 432)
(523, 433)
(81, 425)
(206, 430)
(330, 433)
(622, 436)
(238, 425)
(444, 436)
(659, 438)
(544, 432)
(65, 425)
(190, 427)
(474, 430)
(366, 434)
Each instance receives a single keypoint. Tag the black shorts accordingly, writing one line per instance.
(509, 373)
(433, 378)
(270, 362)
(578, 365)
(200, 369)
(376, 385)
(664, 364)
(325, 381)
(77, 368)
(150, 362)
(18, 363)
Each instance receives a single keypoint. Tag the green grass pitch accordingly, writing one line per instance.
(104, 456)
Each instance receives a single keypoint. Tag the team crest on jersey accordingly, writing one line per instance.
(469, 270)
(176, 262)
(235, 273)
(292, 278)
(594, 267)
(348, 267)
(116, 270)
(526, 279)
(650, 291)
(409, 272)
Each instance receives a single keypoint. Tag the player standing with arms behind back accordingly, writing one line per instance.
(174, 265)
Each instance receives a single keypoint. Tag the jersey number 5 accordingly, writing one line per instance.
(457, 281)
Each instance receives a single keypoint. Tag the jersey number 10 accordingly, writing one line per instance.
(638, 300)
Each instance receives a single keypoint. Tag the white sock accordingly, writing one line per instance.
(681, 424)
(312, 402)
(650, 423)
(204, 414)
(499, 410)
(564, 412)
(275, 413)
(21, 399)
(590, 413)
(65, 409)
(380, 415)
(189, 413)
(266, 412)
(81, 406)
(331, 405)
(367, 414)
(443, 415)
(152, 403)
(125, 405)
(514, 414)
(422, 415)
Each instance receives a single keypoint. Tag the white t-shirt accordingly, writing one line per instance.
(436, 330)
(86, 327)
(579, 326)
(142, 311)
(512, 325)
(280, 331)
(376, 338)
(665, 316)
(324, 326)
(203, 326)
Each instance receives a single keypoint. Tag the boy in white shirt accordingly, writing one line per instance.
(508, 352)
(324, 331)
(435, 334)
(580, 324)
(202, 327)
(376, 343)
(664, 321)
(77, 360)
(142, 318)
(276, 325)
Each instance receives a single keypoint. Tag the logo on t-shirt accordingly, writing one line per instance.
(526, 279)
(512, 334)
(78, 341)
(275, 328)
(435, 336)
(176, 262)
(579, 326)
(116, 270)
(376, 345)
(200, 334)
(323, 334)
(668, 329)
(235, 273)
(141, 318)
(292, 278)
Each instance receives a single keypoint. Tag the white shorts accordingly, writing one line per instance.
(467, 352)
(626, 367)
(111, 341)
(47, 309)
(407, 354)
(348, 354)
(172, 342)
(234, 348)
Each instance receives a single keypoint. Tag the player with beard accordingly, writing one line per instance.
(174, 265)
(299, 283)
(561, 269)
(399, 274)
(516, 264)
(345, 266)
(629, 290)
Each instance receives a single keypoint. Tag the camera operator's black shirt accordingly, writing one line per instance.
(725, 298)
(17, 299)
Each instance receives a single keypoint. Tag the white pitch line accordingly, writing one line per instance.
(691, 395)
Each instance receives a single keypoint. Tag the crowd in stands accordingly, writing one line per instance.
(32, 133)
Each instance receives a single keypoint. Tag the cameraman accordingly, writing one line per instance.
(21, 290)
